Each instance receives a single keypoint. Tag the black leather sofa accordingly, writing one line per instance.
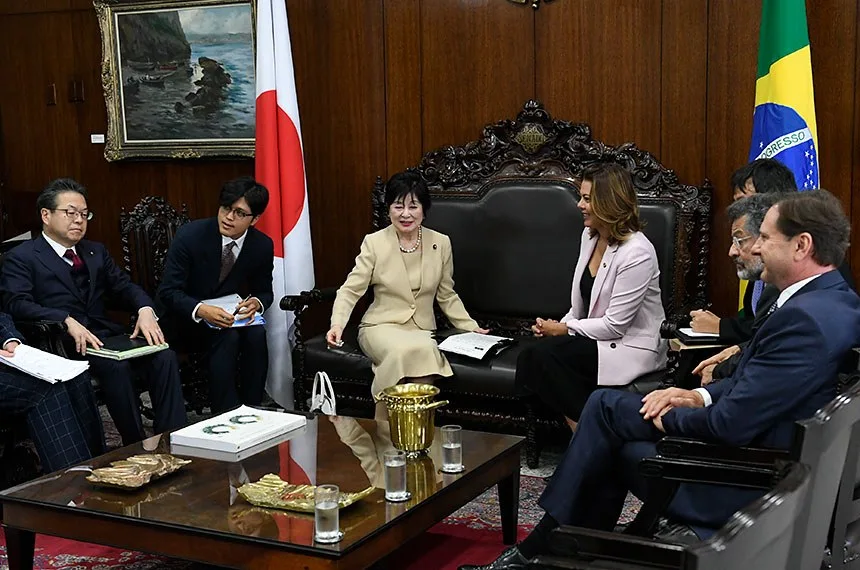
(508, 203)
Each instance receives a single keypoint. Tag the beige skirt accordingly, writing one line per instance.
(400, 351)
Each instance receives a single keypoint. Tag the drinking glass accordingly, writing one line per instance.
(395, 476)
(452, 449)
(326, 516)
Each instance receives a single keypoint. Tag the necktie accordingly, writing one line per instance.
(772, 309)
(758, 286)
(77, 262)
(228, 259)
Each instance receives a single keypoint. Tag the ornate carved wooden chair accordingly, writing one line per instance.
(146, 233)
(508, 203)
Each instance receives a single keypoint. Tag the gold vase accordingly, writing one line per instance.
(410, 416)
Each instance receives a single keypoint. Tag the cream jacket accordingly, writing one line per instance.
(380, 264)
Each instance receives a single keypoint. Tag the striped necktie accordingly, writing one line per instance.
(758, 287)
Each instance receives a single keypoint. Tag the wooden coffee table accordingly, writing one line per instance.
(195, 514)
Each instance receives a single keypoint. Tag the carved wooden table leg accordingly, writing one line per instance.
(19, 548)
(509, 505)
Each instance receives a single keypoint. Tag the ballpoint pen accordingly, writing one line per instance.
(236, 312)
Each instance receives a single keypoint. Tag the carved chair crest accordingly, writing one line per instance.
(146, 233)
(537, 146)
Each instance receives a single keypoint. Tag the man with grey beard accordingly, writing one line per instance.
(745, 216)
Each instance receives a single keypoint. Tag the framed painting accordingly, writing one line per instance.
(178, 77)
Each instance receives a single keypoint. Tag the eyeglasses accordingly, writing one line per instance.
(74, 214)
(738, 241)
(237, 213)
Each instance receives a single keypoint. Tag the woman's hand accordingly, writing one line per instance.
(479, 330)
(332, 337)
(549, 327)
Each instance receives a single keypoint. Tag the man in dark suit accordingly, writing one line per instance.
(62, 418)
(745, 216)
(59, 276)
(212, 258)
(788, 371)
(762, 176)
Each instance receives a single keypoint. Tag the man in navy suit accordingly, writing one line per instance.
(788, 371)
(62, 418)
(59, 276)
(212, 258)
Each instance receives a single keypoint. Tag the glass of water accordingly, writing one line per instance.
(326, 517)
(395, 476)
(452, 449)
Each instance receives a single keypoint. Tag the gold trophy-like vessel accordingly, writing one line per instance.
(410, 416)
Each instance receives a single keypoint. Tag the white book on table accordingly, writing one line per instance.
(235, 456)
(237, 430)
(44, 365)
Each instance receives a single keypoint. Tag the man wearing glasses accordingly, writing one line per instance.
(60, 276)
(216, 257)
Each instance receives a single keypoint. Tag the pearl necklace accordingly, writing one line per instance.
(414, 247)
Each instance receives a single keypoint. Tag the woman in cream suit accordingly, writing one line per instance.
(611, 334)
(408, 267)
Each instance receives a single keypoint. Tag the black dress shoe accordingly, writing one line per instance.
(510, 559)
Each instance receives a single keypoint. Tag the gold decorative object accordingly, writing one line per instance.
(531, 138)
(136, 471)
(273, 492)
(410, 416)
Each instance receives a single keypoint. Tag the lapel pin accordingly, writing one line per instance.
(434, 246)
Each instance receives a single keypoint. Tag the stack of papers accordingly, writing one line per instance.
(122, 347)
(229, 303)
(473, 344)
(44, 365)
(237, 430)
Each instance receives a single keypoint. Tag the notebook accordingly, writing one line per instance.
(123, 347)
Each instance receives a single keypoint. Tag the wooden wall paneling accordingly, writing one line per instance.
(732, 55)
(402, 85)
(477, 66)
(684, 85)
(338, 50)
(599, 62)
(36, 135)
(832, 34)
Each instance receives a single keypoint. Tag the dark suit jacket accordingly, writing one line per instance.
(768, 297)
(37, 284)
(787, 372)
(8, 330)
(194, 264)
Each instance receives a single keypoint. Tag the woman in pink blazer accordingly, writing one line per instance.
(611, 334)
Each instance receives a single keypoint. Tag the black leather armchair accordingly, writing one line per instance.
(827, 443)
(508, 203)
(759, 536)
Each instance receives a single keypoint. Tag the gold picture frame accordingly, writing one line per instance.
(178, 77)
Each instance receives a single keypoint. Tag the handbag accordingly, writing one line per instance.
(322, 395)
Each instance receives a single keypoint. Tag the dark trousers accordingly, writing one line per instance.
(237, 356)
(561, 371)
(600, 465)
(161, 374)
(62, 418)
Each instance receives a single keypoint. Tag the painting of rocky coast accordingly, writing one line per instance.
(187, 74)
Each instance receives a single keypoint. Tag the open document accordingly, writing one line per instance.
(473, 344)
(44, 365)
(229, 303)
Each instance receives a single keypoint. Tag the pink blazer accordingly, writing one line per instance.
(626, 311)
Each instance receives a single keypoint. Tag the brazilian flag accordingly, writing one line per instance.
(784, 120)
